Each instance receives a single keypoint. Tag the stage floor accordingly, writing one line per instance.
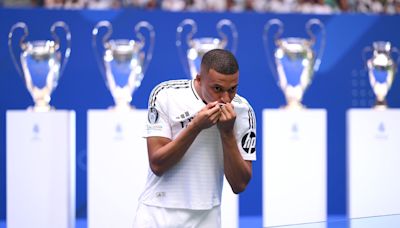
(334, 221)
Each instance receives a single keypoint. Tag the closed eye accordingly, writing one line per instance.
(217, 89)
(232, 90)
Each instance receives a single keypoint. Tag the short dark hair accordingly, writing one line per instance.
(220, 60)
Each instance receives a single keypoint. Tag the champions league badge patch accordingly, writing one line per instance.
(152, 115)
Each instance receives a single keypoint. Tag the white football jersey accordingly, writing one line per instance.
(195, 182)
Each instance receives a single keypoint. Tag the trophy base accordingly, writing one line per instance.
(121, 108)
(46, 108)
(293, 106)
(380, 105)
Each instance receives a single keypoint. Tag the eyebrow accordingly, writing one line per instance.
(215, 85)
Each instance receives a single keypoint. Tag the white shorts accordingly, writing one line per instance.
(154, 217)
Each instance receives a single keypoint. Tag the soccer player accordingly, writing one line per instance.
(197, 131)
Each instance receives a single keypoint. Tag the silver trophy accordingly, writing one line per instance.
(294, 60)
(191, 49)
(124, 61)
(42, 63)
(381, 69)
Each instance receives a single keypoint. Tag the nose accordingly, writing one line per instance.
(225, 97)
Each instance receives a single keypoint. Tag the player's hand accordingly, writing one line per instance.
(227, 117)
(207, 116)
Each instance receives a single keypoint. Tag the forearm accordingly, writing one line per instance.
(237, 170)
(164, 157)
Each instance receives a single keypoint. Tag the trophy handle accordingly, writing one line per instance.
(321, 48)
(232, 27)
(19, 25)
(101, 24)
(365, 55)
(179, 41)
(149, 52)
(270, 56)
(397, 52)
(61, 24)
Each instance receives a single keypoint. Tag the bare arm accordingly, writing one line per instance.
(237, 170)
(165, 153)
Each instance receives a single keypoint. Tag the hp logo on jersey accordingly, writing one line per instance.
(249, 142)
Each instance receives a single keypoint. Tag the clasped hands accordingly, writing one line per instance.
(222, 114)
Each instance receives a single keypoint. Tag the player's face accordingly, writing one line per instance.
(219, 87)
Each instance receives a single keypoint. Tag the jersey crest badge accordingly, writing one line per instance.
(152, 115)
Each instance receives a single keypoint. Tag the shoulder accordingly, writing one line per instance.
(166, 87)
(241, 103)
(244, 110)
(172, 84)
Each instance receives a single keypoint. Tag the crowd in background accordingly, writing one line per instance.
(276, 6)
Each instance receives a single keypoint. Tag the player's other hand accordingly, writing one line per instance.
(227, 117)
(207, 116)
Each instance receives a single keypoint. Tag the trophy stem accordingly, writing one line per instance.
(122, 104)
(293, 96)
(294, 105)
(41, 105)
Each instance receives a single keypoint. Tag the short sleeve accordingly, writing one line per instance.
(157, 123)
(246, 131)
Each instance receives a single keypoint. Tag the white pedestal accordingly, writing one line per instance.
(229, 207)
(40, 169)
(373, 162)
(117, 166)
(294, 167)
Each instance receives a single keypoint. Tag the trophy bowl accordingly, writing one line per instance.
(192, 51)
(124, 62)
(382, 69)
(41, 63)
(293, 60)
